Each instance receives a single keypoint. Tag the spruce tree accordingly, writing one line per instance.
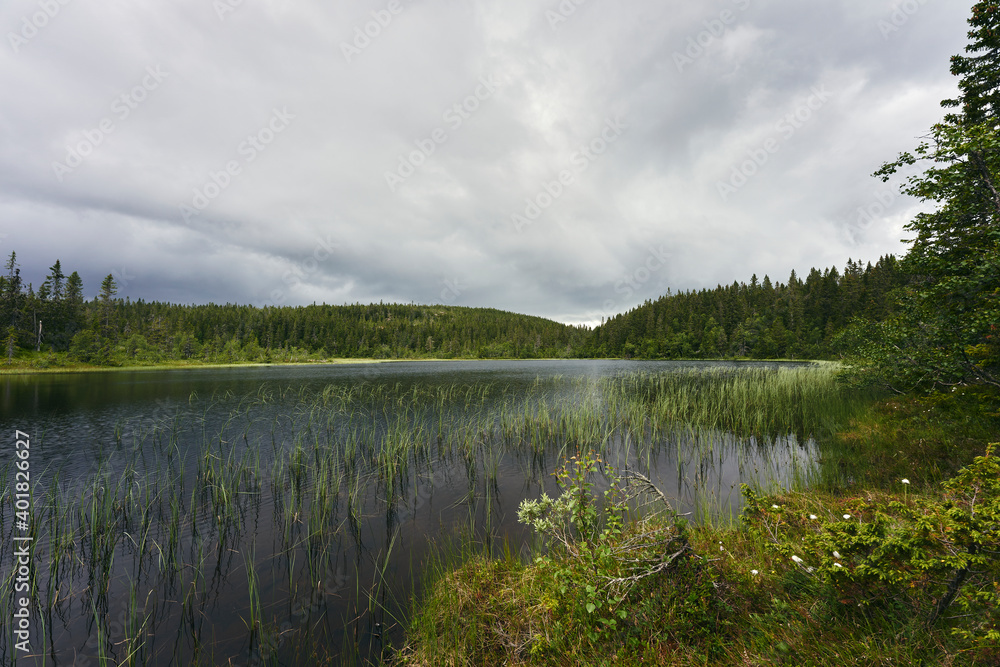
(941, 335)
(978, 72)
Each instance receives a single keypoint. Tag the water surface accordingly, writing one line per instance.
(303, 499)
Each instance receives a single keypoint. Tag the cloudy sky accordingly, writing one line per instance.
(564, 159)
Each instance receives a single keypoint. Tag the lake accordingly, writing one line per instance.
(276, 515)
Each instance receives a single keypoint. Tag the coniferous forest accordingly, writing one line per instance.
(797, 319)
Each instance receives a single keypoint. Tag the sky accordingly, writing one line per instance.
(568, 159)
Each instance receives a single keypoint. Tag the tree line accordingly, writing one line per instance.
(797, 319)
(108, 330)
(53, 314)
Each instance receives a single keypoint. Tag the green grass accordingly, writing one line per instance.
(740, 599)
(713, 609)
(29, 362)
(925, 439)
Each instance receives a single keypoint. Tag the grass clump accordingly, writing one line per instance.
(607, 578)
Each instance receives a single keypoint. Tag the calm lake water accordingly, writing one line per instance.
(269, 515)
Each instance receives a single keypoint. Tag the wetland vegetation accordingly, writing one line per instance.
(291, 524)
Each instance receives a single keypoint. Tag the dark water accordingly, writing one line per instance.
(330, 584)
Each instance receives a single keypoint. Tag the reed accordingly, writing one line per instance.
(172, 503)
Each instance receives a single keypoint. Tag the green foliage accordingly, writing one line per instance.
(979, 72)
(602, 567)
(942, 432)
(919, 556)
(125, 332)
(797, 319)
(762, 320)
(87, 347)
(807, 400)
(944, 330)
(574, 519)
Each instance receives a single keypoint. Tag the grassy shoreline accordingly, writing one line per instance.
(91, 368)
(78, 367)
(852, 571)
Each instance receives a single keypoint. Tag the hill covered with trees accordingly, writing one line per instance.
(797, 319)
(112, 331)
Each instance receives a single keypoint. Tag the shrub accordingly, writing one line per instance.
(926, 554)
(601, 565)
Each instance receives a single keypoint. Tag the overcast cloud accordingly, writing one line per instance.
(564, 159)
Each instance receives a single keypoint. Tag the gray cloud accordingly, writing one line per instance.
(283, 120)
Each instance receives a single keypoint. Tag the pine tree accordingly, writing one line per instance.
(107, 306)
(979, 75)
(940, 335)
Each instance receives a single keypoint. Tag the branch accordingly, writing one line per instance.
(644, 482)
(953, 587)
(977, 157)
(628, 582)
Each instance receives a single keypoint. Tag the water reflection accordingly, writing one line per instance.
(240, 516)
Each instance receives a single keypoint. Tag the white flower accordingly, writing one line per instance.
(754, 572)
(809, 569)
(837, 555)
(775, 507)
(796, 559)
(847, 516)
(813, 517)
(905, 481)
(837, 565)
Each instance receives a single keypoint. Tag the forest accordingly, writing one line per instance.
(56, 323)
(800, 319)
(795, 320)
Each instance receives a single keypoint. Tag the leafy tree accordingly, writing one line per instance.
(943, 332)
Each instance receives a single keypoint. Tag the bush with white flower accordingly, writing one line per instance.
(940, 556)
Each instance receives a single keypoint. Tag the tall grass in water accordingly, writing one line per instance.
(345, 468)
(744, 401)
